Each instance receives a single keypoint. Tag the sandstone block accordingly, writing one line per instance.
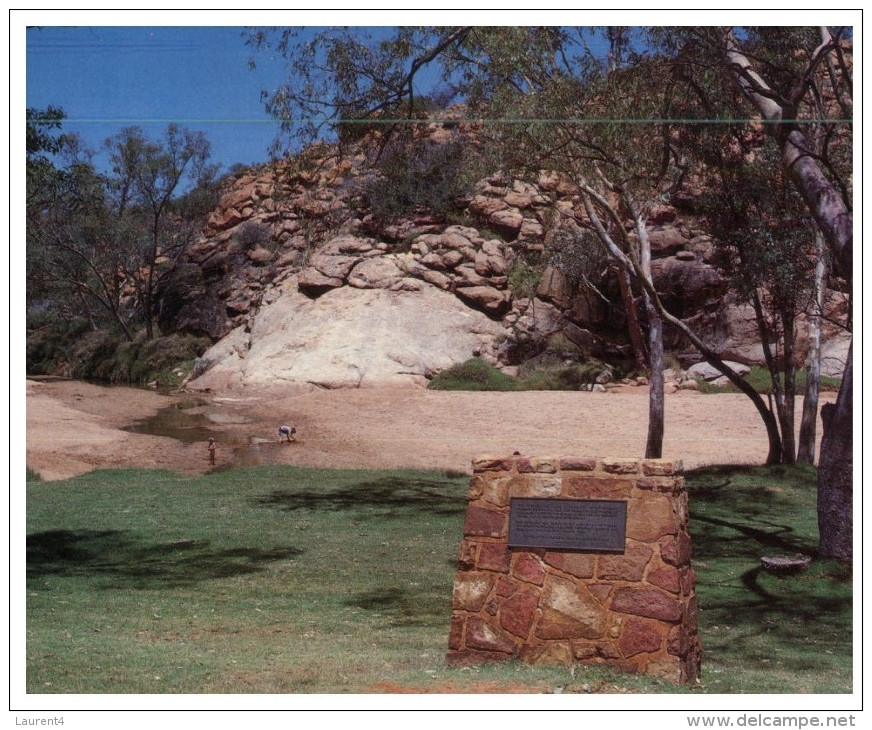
(486, 298)
(581, 565)
(485, 206)
(528, 568)
(468, 555)
(661, 467)
(573, 463)
(507, 221)
(375, 273)
(676, 550)
(477, 485)
(496, 490)
(484, 637)
(668, 578)
(530, 484)
(455, 634)
(651, 518)
(639, 636)
(531, 229)
(494, 556)
(630, 566)
(489, 462)
(471, 590)
(569, 611)
(519, 612)
(506, 587)
(591, 487)
(621, 466)
(647, 602)
(554, 652)
(337, 267)
(485, 522)
(312, 281)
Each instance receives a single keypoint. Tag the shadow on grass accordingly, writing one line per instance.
(737, 516)
(122, 562)
(405, 607)
(752, 511)
(391, 496)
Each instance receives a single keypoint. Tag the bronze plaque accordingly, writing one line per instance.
(595, 525)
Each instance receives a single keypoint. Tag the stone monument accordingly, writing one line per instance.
(577, 560)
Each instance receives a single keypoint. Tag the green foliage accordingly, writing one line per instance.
(474, 374)
(48, 338)
(761, 380)
(524, 279)
(44, 136)
(547, 372)
(75, 350)
(419, 176)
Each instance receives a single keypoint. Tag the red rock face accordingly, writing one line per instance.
(634, 610)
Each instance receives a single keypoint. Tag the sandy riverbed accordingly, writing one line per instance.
(74, 427)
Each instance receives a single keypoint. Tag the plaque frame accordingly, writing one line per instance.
(571, 536)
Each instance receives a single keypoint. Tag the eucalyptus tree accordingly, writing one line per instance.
(146, 177)
(798, 83)
(511, 78)
(72, 260)
(532, 90)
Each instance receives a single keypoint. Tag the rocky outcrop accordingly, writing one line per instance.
(289, 238)
(348, 338)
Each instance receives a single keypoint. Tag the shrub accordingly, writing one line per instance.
(47, 342)
(761, 380)
(251, 234)
(104, 356)
(419, 176)
(474, 374)
(523, 280)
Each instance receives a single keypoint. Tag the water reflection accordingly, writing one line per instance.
(183, 424)
(192, 424)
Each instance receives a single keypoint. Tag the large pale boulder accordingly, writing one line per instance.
(348, 337)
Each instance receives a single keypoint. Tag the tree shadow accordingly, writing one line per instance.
(118, 561)
(403, 606)
(392, 496)
(730, 518)
(737, 516)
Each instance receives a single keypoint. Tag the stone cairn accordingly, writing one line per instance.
(635, 610)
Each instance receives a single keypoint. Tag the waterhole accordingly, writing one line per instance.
(182, 424)
(191, 424)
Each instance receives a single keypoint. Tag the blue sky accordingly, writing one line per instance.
(111, 69)
(109, 77)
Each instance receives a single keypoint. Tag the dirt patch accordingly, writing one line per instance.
(74, 427)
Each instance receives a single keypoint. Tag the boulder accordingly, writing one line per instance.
(348, 337)
(313, 283)
(375, 273)
(488, 299)
(507, 222)
(704, 371)
(686, 286)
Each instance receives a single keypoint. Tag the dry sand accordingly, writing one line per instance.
(74, 427)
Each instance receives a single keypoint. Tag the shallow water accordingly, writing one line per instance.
(191, 425)
(177, 423)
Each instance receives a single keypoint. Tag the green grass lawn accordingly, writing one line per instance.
(287, 580)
